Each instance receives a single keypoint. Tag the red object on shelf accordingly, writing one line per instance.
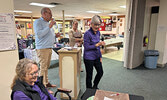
(102, 27)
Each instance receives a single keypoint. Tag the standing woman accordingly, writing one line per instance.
(75, 37)
(92, 55)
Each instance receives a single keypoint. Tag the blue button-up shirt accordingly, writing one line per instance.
(18, 95)
(91, 52)
(44, 36)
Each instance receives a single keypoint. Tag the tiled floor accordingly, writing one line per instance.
(114, 53)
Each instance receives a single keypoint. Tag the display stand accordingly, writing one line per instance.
(69, 71)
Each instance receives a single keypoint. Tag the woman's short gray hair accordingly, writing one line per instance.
(96, 19)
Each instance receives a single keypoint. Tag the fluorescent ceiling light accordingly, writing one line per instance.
(87, 17)
(68, 15)
(22, 11)
(42, 5)
(113, 14)
(96, 12)
(16, 15)
(123, 6)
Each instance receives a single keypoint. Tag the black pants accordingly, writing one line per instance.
(89, 72)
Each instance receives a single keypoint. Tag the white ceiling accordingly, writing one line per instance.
(76, 8)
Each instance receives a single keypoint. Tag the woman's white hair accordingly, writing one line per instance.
(96, 19)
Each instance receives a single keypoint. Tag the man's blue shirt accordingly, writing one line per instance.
(44, 36)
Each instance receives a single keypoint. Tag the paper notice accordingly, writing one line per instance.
(7, 32)
(106, 98)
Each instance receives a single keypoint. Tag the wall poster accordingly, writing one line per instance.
(7, 32)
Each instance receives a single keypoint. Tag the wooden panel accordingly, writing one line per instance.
(68, 70)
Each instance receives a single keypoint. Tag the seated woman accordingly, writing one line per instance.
(26, 83)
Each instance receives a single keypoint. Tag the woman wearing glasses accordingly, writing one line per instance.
(26, 83)
(92, 55)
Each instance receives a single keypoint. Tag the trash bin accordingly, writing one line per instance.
(151, 57)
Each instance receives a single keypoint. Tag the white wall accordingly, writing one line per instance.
(161, 36)
(8, 59)
(153, 31)
(149, 20)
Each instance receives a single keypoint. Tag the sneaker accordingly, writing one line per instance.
(95, 87)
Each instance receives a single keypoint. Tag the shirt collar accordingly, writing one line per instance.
(42, 19)
(93, 31)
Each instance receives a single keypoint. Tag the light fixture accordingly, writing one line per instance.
(22, 11)
(87, 17)
(123, 6)
(68, 15)
(96, 12)
(42, 5)
(16, 15)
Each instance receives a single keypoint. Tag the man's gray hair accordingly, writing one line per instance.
(96, 19)
(44, 10)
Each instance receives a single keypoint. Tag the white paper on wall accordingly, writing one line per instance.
(7, 32)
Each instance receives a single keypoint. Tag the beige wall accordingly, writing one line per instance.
(8, 59)
(161, 36)
(150, 24)
(153, 31)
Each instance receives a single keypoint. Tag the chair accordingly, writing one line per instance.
(61, 90)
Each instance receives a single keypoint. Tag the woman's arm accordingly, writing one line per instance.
(18, 95)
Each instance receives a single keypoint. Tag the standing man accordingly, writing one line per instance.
(92, 55)
(44, 39)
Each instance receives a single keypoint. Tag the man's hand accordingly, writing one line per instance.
(52, 22)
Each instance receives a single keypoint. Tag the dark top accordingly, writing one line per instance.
(24, 91)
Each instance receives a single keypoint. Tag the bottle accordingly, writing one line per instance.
(55, 25)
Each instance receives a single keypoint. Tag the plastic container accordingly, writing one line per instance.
(151, 58)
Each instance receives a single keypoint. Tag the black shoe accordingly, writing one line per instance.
(95, 87)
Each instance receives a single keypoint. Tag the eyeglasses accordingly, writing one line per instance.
(33, 74)
(97, 24)
(48, 13)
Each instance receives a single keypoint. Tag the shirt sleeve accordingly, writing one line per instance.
(18, 95)
(88, 45)
(39, 30)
